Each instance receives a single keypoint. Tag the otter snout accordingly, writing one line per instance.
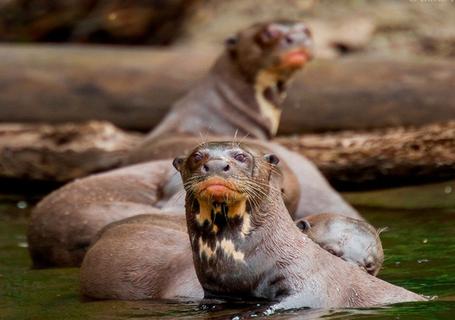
(216, 167)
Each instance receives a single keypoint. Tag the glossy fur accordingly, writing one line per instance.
(352, 240)
(238, 97)
(244, 245)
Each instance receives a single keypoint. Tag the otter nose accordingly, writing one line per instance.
(216, 166)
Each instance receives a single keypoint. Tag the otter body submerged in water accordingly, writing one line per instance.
(242, 241)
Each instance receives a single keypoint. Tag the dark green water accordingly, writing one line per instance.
(419, 248)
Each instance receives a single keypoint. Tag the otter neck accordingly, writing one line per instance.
(216, 225)
(228, 243)
(254, 102)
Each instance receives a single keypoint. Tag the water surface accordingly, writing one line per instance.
(419, 249)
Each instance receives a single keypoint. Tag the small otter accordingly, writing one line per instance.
(350, 239)
(243, 243)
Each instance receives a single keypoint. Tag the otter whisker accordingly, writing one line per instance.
(179, 194)
(381, 230)
(203, 138)
(235, 137)
(258, 185)
(244, 138)
(255, 193)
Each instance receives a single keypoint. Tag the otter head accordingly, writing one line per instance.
(352, 240)
(279, 47)
(223, 181)
(227, 185)
(267, 55)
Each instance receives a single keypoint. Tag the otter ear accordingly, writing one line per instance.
(272, 159)
(231, 42)
(303, 225)
(178, 162)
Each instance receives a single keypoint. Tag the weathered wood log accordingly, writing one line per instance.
(130, 88)
(133, 88)
(63, 152)
(360, 93)
(382, 158)
(391, 157)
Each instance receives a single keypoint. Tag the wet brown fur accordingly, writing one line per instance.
(225, 103)
(273, 261)
(352, 240)
(63, 224)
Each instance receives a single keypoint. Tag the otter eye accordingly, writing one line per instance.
(240, 157)
(303, 225)
(231, 43)
(197, 157)
(289, 40)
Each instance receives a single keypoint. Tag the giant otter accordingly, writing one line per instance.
(64, 222)
(242, 241)
(350, 239)
(243, 92)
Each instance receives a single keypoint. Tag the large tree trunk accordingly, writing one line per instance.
(133, 88)
(348, 159)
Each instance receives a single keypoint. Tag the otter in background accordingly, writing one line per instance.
(243, 92)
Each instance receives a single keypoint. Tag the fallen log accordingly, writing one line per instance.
(350, 160)
(130, 88)
(381, 158)
(63, 152)
(133, 88)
